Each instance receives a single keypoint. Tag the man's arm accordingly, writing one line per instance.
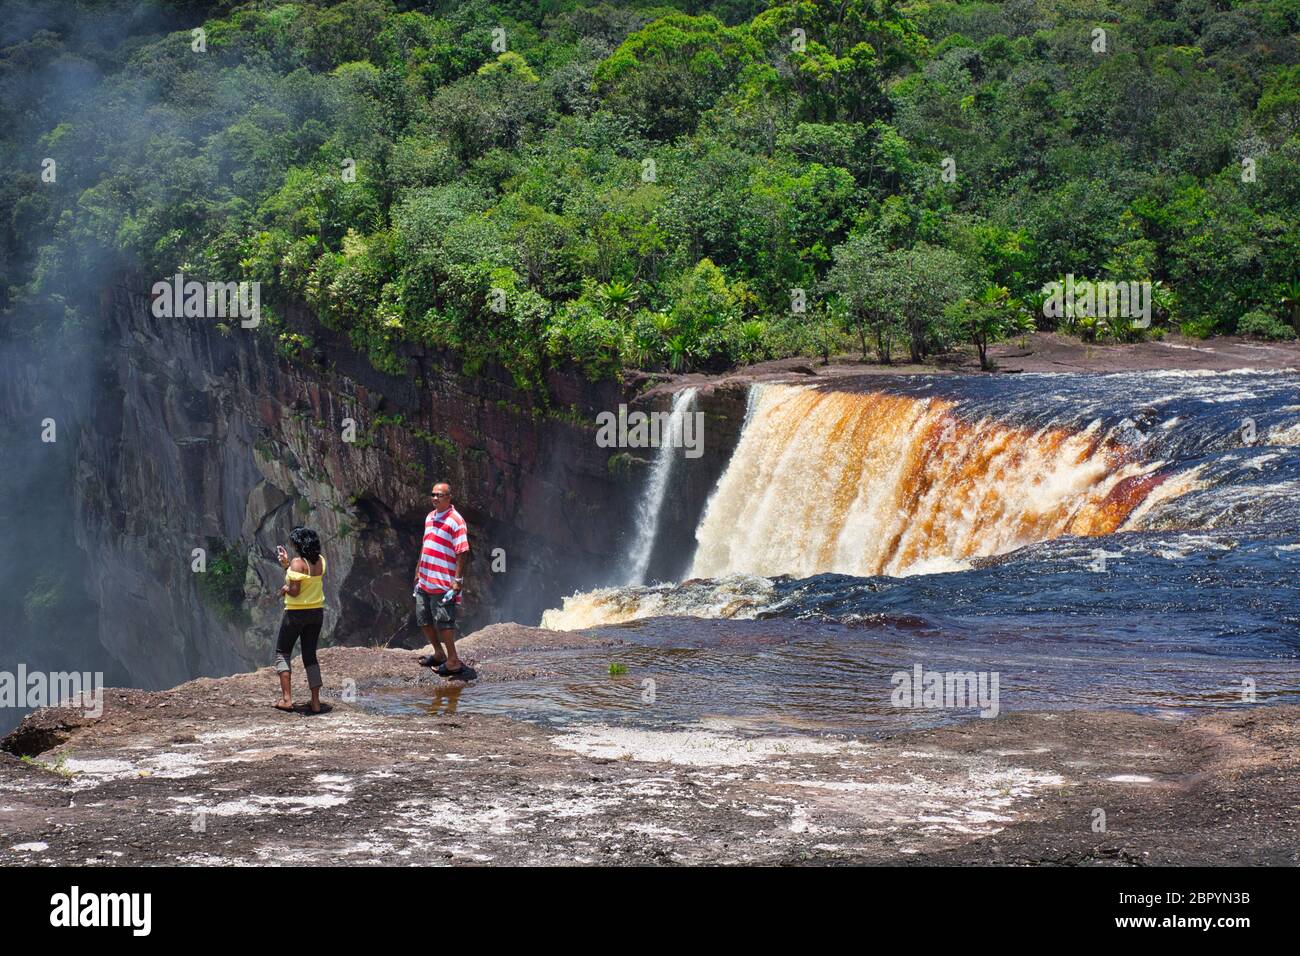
(460, 568)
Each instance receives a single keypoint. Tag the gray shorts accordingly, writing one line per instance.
(431, 612)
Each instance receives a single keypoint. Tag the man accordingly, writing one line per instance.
(438, 580)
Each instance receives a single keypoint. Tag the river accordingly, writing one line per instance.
(1127, 540)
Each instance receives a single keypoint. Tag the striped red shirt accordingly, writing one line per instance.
(444, 538)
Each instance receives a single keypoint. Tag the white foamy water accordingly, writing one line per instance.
(651, 504)
(736, 596)
(883, 484)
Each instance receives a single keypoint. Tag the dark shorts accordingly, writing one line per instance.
(430, 612)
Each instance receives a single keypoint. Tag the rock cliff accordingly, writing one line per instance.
(202, 435)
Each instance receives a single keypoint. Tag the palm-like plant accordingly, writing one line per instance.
(752, 332)
(1288, 296)
(1033, 302)
(990, 316)
(679, 353)
(616, 299)
(1086, 325)
(635, 349)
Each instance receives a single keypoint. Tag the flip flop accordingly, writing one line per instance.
(444, 672)
(428, 660)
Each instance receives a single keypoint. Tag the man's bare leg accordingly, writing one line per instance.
(432, 635)
(448, 636)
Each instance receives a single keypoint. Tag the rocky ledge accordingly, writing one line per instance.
(208, 773)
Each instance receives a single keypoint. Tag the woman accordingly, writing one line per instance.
(304, 613)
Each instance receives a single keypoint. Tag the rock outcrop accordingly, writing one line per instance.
(209, 773)
(203, 435)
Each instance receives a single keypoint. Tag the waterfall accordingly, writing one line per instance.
(652, 501)
(874, 483)
(907, 479)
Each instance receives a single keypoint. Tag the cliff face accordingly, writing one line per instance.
(202, 436)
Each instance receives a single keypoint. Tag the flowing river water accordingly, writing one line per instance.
(1128, 540)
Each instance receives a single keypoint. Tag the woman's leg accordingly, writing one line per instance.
(289, 627)
(310, 635)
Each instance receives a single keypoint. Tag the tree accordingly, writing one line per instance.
(496, 107)
(865, 294)
(929, 279)
(665, 75)
(1279, 104)
(705, 307)
(713, 165)
(989, 317)
(836, 66)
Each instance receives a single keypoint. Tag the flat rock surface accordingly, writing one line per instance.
(209, 773)
(1040, 352)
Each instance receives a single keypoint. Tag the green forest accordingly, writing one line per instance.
(662, 186)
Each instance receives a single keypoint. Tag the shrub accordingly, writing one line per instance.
(222, 585)
(1263, 325)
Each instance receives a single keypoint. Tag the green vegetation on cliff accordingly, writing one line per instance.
(222, 582)
(663, 185)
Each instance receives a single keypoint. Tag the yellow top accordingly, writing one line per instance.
(311, 590)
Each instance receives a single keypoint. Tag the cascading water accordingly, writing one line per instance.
(906, 477)
(651, 503)
(884, 484)
(1127, 540)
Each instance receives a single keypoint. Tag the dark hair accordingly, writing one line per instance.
(307, 543)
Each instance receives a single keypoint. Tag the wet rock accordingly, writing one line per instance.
(356, 786)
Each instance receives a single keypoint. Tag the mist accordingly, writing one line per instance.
(51, 333)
